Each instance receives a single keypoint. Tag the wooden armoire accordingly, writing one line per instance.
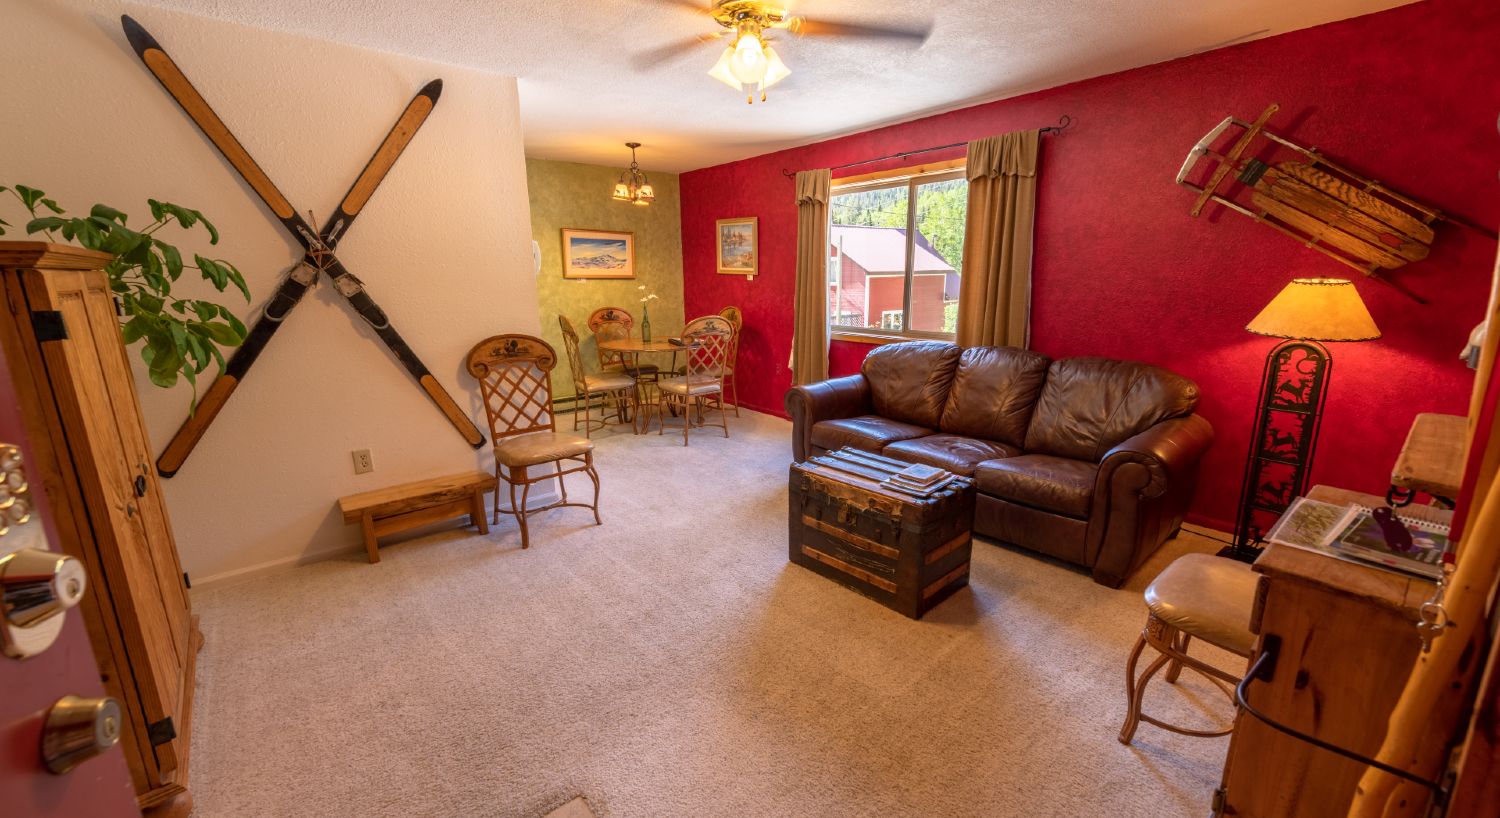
(61, 335)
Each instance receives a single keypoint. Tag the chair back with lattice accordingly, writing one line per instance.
(515, 380)
(603, 314)
(610, 331)
(736, 320)
(570, 345)
(713, 341)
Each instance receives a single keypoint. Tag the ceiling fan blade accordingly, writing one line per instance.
(826, 28)
(656, 56)
(690, 5)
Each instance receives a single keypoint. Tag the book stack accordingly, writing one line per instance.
(918, 480)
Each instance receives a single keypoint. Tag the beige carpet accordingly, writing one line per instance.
(672, 663)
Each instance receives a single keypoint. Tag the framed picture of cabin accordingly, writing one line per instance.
(735, 240)
(598, 253)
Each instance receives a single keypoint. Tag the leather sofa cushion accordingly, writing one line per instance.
(867, 432)
(1057, 484)
(909, 381)
(952, 452)
(993, 392)
(1090, 405)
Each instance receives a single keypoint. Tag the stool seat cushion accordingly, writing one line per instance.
(1207, 597)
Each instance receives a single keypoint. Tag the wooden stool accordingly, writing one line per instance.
(398, 508)
(1196, 596)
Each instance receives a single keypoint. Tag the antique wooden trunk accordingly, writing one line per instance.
(906, 552)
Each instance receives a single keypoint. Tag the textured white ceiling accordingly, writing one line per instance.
(581, 97)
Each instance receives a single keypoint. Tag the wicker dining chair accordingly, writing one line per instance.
(515, 381)
(615, 331)
(708, 341)
(615, 388)
(736, 320)
(603, 314)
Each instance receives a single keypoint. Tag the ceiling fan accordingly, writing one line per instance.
(749, 63)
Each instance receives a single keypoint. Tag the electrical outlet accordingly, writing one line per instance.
(363, 463)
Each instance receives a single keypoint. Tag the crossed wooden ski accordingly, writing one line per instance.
(318, 246)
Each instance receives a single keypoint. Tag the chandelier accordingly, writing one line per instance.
(633, 186)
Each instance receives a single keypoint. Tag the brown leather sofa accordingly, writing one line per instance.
(1090, 460)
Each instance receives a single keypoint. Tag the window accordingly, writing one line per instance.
(894, 269)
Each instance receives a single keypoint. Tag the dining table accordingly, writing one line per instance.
(631, 349)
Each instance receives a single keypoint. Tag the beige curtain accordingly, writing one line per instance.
(994, 297)
(810, 330)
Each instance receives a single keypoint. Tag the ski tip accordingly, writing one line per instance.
(432, 90)
(140, 39)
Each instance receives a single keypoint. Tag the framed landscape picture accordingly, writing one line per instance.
(598, 254)
(736, 246)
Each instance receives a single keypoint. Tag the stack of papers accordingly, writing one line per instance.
(1352, 533)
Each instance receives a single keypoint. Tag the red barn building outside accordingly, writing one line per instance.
(867, 279)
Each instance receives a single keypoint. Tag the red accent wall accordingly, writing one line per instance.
(1407, 96)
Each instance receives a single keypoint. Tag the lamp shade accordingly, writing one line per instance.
(1316, 309)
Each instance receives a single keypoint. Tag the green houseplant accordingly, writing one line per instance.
(179, 337)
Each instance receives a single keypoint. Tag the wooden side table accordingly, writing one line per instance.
(1347, 644)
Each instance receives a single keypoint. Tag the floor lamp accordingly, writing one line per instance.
(1305, 313)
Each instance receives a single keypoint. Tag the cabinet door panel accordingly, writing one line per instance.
(80, 376)
(161, 548)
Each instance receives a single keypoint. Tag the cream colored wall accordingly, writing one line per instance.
(443, 247)
(567, 194)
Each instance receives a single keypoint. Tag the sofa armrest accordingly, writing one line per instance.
(1169, 449)
(825, 400)
(1143, 490)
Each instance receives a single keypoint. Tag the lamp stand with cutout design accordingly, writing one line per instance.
(1293, 386)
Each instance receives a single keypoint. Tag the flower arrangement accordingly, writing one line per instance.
(646, 298)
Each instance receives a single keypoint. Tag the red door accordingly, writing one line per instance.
(98, 787)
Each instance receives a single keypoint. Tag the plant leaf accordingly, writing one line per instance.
(103, 211)
(45, 223)
(213, 232)
(172, 256)
(52, 206)
(29, 196)
(237, 279)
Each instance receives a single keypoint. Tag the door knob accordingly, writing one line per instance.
(77, 729)
(35, 587)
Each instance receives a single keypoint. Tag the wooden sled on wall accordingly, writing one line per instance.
(1329, 208)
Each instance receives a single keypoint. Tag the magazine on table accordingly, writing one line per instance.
(1352, 533)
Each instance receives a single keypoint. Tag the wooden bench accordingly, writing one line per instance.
(399, 508)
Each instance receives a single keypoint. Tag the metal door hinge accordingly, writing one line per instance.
(48, 325)
(186, 583)
(161, 732)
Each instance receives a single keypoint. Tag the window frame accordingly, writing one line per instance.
(911, 179)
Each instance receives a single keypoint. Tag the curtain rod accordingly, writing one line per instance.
(1062, 124)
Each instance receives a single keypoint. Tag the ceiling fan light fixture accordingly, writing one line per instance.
(721, 72)
(748, 62)
(776, 70)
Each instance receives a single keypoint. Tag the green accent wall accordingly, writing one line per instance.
(568, 194)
